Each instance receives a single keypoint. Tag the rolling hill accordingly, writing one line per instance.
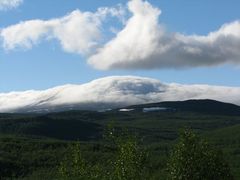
(148, 119)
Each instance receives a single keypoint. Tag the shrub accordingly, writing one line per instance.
(74, 165)
(194, 159)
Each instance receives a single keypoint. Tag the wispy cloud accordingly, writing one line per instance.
(112, 92)
(77, 32)
(9, 4)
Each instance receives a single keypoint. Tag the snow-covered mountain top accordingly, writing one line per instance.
(111, 92)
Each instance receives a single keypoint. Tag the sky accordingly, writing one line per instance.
(50, 43)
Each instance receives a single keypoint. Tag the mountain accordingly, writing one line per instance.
(111, 92)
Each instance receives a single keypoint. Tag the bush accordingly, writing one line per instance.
(194, 159)
(74, 166)
(129, 161)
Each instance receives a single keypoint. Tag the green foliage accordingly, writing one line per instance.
(194, 159)
(75, 166)
(127, 163)
(20, 156)
(130, 159)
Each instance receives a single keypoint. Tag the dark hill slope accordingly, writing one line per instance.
(202, 115)
(200, 106)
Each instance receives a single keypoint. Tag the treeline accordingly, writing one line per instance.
(192, 158)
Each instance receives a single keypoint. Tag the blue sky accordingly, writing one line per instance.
(47, 65)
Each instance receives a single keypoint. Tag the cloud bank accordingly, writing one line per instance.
(9, 4)
(112, 92)
(142, 43)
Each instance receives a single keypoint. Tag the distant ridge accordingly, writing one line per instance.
(207, 106)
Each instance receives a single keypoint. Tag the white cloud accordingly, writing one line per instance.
(143, 43)
(9, 4)
(77, 32)
(112, 92)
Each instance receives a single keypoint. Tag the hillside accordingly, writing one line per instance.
(201, 106)
(88, 125)
(37, 141)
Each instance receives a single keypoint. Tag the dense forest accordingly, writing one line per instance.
(183, 141)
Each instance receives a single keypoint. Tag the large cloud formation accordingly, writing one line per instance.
(112, 92)
(9, 4)
(142, 43)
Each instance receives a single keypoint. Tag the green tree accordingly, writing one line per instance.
(129, 161)
(74, 166)
(130, 158)
(194, 159)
